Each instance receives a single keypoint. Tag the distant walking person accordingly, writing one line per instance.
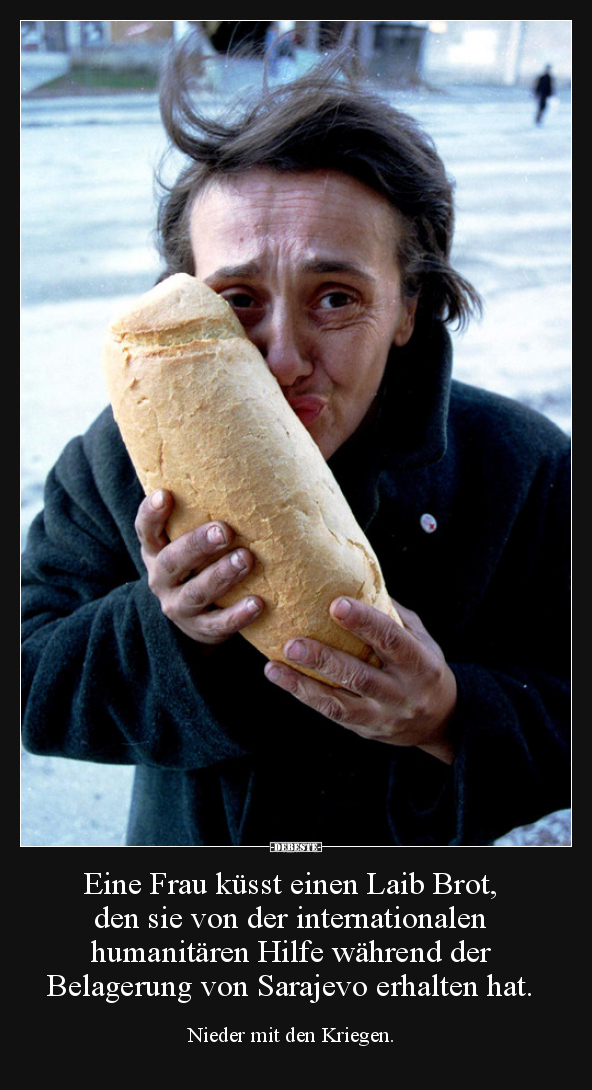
(543, 89)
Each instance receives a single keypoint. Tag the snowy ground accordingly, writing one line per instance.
(87, 221)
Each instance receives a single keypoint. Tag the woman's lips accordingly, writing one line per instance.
(307, 407)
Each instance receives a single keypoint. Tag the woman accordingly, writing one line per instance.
(325, 218)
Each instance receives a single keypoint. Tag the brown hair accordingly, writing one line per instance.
(319, 121)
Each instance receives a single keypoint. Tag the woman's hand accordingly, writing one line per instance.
(409, 702)
(190, 574)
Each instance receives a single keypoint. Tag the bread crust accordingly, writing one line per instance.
(202, 416)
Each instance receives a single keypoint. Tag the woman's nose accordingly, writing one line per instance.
(285, 349)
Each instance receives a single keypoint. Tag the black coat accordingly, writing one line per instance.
(225, 757)
(544, 88)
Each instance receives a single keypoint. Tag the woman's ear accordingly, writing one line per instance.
(406, 323)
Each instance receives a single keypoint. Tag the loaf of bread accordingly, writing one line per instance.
(202, 416)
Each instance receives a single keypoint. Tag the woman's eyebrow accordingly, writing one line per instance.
(320, 265)
(336, 265)
(230, 272)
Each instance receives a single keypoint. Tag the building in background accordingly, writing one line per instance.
(502, 51)
(495, 51)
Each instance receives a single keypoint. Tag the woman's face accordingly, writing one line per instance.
(308, 263)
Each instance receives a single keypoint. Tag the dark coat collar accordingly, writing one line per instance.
(406, 428)
(412, 428)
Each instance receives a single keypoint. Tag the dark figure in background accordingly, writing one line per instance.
(543, 90)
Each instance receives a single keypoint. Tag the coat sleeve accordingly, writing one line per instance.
(512, 725)
(105, 676)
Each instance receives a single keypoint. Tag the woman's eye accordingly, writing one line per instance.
(334, 300)
(240, 300)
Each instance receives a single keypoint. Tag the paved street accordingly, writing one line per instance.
(88, 211)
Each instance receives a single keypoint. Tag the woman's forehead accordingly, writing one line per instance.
(322, 216)
(321, 185)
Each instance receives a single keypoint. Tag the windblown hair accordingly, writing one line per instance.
(319, 121)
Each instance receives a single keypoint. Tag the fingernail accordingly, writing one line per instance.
(272, 672)
(157, 500)
(253, 605)
(296, 651)
(237, 560)
(342, 609)
(215, 535)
